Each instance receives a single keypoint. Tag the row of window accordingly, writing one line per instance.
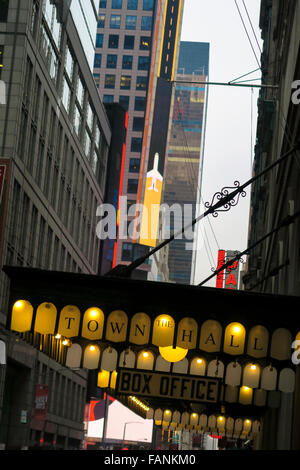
(130, 22)
(130, 4)
(125, 82)
(129, 41)
(139, 102)
(127, 62)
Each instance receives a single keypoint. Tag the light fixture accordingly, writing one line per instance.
(58, 336)
(253, 367)
(145, 354)
(199, 361)
(19, 304)
(92, 348)
(236, 329)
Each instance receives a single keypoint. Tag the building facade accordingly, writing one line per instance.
(184, 164)
(54, 138)
(273, 266)
(129, 53)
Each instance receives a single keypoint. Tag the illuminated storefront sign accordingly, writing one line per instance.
(110, 323)
(162, 385)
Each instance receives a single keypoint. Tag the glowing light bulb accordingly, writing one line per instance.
(145, 354)
(65, 342)
(92, 348)
(236, 329)
(93, 313)
(167, 412)
(19, 304)
(253, 367)
(58, 336)
(199, 361)
(246, 389)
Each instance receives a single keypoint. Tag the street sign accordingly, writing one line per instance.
(162, 385)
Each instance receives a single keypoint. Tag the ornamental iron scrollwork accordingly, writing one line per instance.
(225, 199)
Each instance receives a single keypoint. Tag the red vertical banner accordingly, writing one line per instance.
(220, 276)
(41, 402)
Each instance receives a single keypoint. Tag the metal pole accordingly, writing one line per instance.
(247, 85)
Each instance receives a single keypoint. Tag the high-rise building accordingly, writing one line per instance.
(184, 163)
(131, 47)
(54, 139)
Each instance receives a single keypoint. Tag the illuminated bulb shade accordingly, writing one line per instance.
(173, 354)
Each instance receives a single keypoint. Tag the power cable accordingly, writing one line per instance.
(258, 63)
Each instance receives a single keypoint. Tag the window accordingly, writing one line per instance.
(113, 41)
(108, 98)
(129, 42)
(116, 4)
(99, 40)
(66, 95)
(80, 92)
(77, 120)
(140, 103)
(110, 81)
(141, 83)
(127, 252)
(138, 124)
(132, 186)
(143, 63)
(136, 144)
(145, 43)
(134, 165)
(111, 61)
(97, 61)
(69, 64)
(146, 23)
(101, 21)
(127, 62)
(147, 5)
(130, 22)
(124, 101)
(125, 82)
(97, 79)
(102, 4)
(89, 116)
(132, 5)
(115, 21)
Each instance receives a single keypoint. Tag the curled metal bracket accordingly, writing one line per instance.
(224, 195)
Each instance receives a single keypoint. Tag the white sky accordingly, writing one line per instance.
(228, 133)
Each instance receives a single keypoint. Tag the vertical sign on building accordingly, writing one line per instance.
(41, 402)
(220, 276)
(232, 271)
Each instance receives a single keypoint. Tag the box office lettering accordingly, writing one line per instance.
(162, 385)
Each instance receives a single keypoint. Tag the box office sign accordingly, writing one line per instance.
(161, 385)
